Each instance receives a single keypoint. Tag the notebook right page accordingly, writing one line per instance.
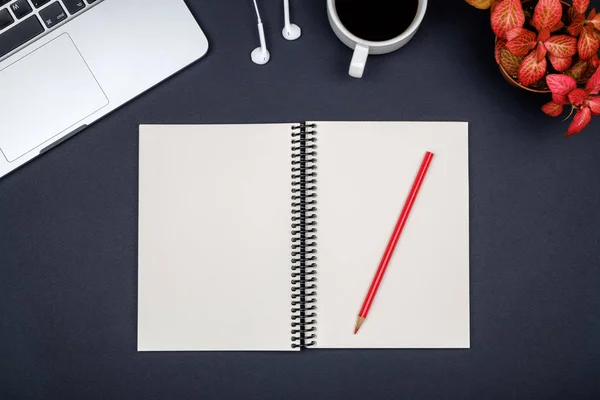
(365, 172)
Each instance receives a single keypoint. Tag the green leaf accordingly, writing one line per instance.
(577, 70)
(481, 4)
(510, 62)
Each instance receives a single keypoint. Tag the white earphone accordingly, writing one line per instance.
(260, 55)
(290, 31)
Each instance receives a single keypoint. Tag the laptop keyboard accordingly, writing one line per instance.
(22, 21)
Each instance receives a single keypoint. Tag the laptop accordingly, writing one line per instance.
(66, 63)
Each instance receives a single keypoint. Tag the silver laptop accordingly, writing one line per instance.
(66, 63)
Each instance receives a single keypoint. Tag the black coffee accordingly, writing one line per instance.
(376, 20)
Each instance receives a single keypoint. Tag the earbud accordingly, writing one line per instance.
(290, 31)
(260, 55)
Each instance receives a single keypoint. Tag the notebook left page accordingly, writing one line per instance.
(214, 237)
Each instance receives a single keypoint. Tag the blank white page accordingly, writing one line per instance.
(214, 237)
(365, 173)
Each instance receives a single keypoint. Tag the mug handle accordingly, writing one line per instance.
(359, 60)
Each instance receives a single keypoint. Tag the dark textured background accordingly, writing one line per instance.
(68, 227)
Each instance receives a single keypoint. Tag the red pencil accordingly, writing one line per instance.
(389, 250)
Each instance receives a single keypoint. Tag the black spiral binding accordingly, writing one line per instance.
(304, 235)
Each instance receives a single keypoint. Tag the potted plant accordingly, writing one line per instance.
(550, 46)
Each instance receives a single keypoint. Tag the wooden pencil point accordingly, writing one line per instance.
(359, 322)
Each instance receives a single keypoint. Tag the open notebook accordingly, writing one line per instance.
(266, 237)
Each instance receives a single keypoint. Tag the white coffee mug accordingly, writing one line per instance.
(362, 48)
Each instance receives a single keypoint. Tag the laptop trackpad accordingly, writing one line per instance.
(47, 92)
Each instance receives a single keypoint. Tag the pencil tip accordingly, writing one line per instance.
(359, 322)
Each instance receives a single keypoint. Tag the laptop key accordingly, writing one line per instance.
(3, 2)
(5, 19)
(53, 14)
(20, 34)
(74, 6)
(39, 3)
(20, 8)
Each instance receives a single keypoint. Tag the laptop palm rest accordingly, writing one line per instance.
(60, 92)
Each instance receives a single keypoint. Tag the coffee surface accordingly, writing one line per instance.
(376, 20)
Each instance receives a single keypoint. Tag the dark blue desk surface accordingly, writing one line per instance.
(68, 227)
